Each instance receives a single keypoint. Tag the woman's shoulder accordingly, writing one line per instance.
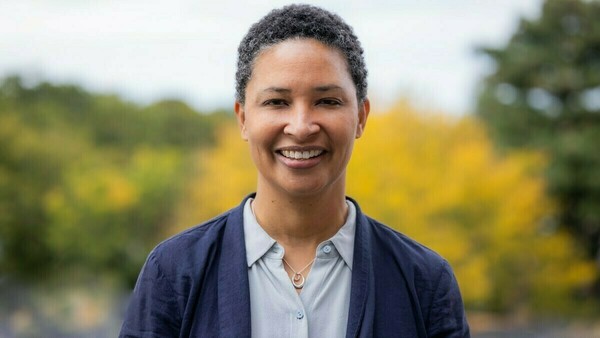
(205, 231)
(404, 249)
(192, 246)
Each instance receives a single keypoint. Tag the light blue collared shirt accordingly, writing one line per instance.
(321, 309)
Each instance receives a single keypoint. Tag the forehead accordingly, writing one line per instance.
(297, 60)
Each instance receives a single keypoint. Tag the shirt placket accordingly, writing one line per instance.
(298, 319)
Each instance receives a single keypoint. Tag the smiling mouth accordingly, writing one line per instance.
(300, 155)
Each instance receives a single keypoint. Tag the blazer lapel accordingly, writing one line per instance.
(233, 288)
(362, 300)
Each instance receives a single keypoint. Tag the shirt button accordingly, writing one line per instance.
(327, 249)
(299, 314)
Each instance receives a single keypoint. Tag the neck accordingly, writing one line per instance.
(300, 222)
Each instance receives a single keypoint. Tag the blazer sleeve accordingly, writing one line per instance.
(447, 316)
(153, 310)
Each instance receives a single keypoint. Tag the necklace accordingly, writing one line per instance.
(298, 279)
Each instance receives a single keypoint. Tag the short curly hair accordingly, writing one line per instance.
(301, 21)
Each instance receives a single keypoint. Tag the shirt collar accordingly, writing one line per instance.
(258, 242)
(344, 238)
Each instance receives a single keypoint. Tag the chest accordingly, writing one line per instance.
(319, 310)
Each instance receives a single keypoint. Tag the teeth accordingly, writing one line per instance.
(301, 155)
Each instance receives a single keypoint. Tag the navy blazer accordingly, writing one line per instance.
(195, 284)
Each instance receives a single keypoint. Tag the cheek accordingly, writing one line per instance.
(261, 136)
(258, 152)
(345, 129)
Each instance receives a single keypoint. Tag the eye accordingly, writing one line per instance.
(330, 102)
(275, 102)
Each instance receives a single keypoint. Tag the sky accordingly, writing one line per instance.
(146, 51)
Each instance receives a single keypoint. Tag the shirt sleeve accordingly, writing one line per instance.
(153, 310)
(447, 315)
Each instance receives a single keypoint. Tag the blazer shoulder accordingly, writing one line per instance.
(190, 246)
(200, 232)
(406, 249)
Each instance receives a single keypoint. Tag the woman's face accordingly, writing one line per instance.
(301, 117)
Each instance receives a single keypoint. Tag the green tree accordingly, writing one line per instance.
(545, 94)
(88, 182)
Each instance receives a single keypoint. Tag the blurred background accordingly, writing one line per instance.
(116, 120)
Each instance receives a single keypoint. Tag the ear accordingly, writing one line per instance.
(363, 112)
(241, 118)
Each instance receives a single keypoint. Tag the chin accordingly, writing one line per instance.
(308, 188)
(303, 191)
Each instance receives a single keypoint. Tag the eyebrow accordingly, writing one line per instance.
(327, 88)
(277, 90)
(324, 88)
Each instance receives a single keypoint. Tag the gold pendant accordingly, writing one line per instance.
(298, 281)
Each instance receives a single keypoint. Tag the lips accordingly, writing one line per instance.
(301, 154)
(301, 157)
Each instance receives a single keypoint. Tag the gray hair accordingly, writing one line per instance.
(301, 21)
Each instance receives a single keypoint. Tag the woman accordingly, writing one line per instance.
(297, 258)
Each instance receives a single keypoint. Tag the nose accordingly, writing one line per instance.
(302, 123)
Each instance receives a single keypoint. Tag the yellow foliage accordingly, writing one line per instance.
(225, 174)
(104, 190)
(438, 180)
